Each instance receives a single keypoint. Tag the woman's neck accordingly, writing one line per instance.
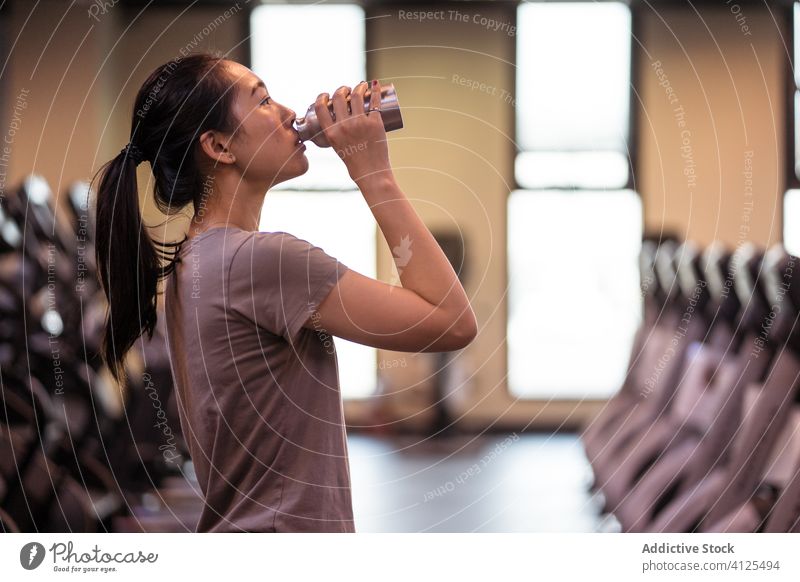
(231, 202)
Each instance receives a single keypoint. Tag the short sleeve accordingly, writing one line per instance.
(277, 281)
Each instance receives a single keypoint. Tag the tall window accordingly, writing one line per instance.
(575, 224)
(322, 206)
(791, 201)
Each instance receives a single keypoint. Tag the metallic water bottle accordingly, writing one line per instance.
(309, 129)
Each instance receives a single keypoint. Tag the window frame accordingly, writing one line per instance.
(791, 87)
(632, 140)
(633, 109)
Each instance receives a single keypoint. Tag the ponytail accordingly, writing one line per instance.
(127, 262)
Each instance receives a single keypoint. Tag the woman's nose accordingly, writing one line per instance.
(291, 115)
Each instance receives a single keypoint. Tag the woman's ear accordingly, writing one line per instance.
(216, 148)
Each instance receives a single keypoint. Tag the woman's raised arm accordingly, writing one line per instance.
(431, 311)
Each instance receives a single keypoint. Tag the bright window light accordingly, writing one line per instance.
(796, 52)
(574, 300)
(297, 72)
(797, 133)
(573, 76)
(791, 222)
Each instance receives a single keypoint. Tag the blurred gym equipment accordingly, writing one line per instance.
(76, 454)
(703, 435)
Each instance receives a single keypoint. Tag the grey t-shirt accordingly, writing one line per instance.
(258, 394)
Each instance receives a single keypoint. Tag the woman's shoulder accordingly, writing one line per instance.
(271, 250)
(278, 237)
(232, 239)
(280, 242)
(236, 248)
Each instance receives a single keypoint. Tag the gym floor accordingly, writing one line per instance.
(491, 483)
(463, 483)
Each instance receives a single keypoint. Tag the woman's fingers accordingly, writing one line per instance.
(340, 107)
(357, 98)
(375, 96)
(342, 110)
(322, 111)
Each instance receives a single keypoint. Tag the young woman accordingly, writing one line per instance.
(249, 313)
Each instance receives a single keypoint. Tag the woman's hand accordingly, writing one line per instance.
(358, 137)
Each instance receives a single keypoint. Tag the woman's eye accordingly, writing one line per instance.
(265, 100)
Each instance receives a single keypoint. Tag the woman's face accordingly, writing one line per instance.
(266, 145)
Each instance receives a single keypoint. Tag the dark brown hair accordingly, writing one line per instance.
(179, 101)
